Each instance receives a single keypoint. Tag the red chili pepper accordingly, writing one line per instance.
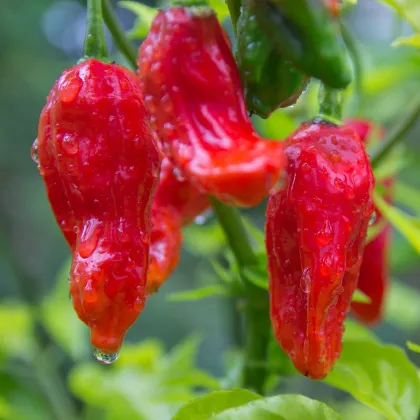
(373, 278)
(315, 235)
(334, 6)
(100, 166)
(176, 203)
(193, 92)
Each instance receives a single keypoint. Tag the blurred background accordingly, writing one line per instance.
(46, 367)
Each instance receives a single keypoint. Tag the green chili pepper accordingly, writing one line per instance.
(305, 32)
(270, 80)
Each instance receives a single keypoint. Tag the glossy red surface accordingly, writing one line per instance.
(100, 166)
(176, 203)
(193, 92)
(315, 234)
(373, 278)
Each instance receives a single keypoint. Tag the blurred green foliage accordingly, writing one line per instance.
(46, 368)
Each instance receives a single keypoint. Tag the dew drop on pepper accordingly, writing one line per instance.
(105, 358)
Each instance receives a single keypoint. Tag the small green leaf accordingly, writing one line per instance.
(182, 357)
(407, 196)
(145, 15)
(281, 407)
(209, 405)
(256, 234)
(221, 272)
(412, 41)
(413, 346)
(16, 330)
(147, 355)
(204, 240)
(199, 294)
(380, 376)
(221, 9)
(359, 296)
(256, 275)
(407, 225)
(193, 378)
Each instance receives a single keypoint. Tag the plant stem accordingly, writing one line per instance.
(257, 320)
(111, 21)
(95, 45)
(408, 119)
(330, 101)
(357, 64)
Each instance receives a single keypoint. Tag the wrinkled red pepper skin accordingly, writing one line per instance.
(315, 234)
(176, 203)
(373, 278)
(100, 165)
(193, 92)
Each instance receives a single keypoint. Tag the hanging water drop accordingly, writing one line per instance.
(34, 152)
(105, 358)
(372, 219)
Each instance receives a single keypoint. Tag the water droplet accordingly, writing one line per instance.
(373, 218)
(70, 144)
(179, 175)
(203, 217)
(305, 281)
(325, 235)
(105, 358)
(69, 89)
(34, 152)
(89, 238)
(335, 156)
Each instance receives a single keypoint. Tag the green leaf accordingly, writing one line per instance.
(407, 196)
(412, 41)
(16, 330)
(181, 358)
(358, 332)
(198, 294)
(57, 311)
(145, 15)
(407, 225)
(221, 9)
(402, 308)
(413, 346)
(204, 240)
(375, 230)
(380, 376)
(256, 234)
(256, 275)
(281, 407)
(206, 407)
(146, 355)
(359, 296)
(408, 9)
(278, 126)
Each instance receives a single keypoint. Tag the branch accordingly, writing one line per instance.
(118, 34)
(408, 119)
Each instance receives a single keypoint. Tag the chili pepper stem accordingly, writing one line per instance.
(95, 44)
(354, 53)
(408, 119)
(111, 21)
(256, 313)
(330, 101)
